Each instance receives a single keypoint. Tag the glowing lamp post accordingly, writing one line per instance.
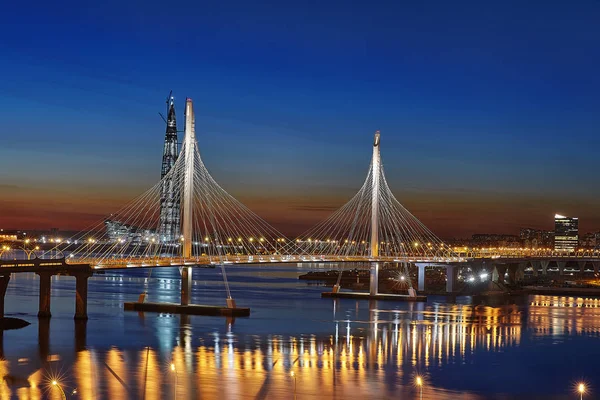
(175, 387)
(419, 382)
(293, 375)
(581, 390)
(62, 392)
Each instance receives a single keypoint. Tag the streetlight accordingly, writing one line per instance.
(175, 388)
(581, 390)
(293, 375)
(29, 252)
(419, 382)
(62, 392)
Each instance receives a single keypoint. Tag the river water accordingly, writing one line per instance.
(337, 349)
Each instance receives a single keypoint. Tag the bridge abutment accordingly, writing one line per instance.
(45, 287)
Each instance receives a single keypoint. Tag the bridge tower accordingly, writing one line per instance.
(374, 246)
(189, 149)
(168, 228)
(375, 171)
(189, 152)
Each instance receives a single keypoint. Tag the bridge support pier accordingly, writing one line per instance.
(421, 277)
(535, 265)
(45, 286)
(581, 266)
(374, 279)
(81, 295)
(596, 265)
(498, 273)
(512, 272)
(4, 279)
(186, 285)
(544, 265)
(520, 275)
(451, 275)
(561, 266)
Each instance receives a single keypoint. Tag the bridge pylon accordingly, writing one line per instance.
(189, 147)
(375, 166)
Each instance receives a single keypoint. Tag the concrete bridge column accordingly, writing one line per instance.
(374, 281)
(512, 272)
(561, 266)
(544, 265)
(498, 273)
(535, 265)
(596, 265)
(4, 279)
(451, 274)
(581, 266)
(81, 295)
(421, 277)
(186, 285)
(45, 286)
(520, 274)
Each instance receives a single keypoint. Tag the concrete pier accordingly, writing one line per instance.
(499, 272)
(561, 266)
(81, 295)
(45, 286)
(186, 285)
(451, 275)
(544, 265)
(374, 280)
(421, 277)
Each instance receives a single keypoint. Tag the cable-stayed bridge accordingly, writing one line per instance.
(187, 219)
(216, 228)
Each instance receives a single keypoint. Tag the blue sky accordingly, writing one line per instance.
(488, 110)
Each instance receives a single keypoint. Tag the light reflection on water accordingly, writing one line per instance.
(341, 349)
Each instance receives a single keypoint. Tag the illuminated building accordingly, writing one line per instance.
(168, 229)
(566, 233)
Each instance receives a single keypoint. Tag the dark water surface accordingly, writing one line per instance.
(340, 349)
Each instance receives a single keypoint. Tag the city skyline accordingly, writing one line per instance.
(474, 138)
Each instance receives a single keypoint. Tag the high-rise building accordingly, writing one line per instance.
(566, 233)
(169, 223)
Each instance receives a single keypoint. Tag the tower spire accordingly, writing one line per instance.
(169, 198)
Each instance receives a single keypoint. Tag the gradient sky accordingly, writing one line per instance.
(489, 111)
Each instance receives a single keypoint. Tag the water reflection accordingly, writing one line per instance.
(380, 355)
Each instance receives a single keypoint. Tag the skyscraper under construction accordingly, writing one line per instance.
(168, 229)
